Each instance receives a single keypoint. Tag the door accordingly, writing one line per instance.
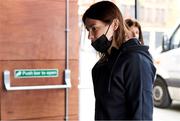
(32, 39)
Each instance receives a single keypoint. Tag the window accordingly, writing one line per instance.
(146, 37)
(158, 39)
(160, 15)
(176, 39)
(142, 13)
(132, 12)
(123, 9)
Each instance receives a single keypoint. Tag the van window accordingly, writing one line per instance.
(176, 40)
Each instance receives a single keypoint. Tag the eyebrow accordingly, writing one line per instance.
(90, 25)
(93, 25)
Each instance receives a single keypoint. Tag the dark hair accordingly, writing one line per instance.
(130, 22)
(106, 12)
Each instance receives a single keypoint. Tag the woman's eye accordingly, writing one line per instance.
(94, 28)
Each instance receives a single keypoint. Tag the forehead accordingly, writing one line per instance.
(91, 22)
(135, 28)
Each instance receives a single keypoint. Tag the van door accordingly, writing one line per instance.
(32, 53)
(170, 60)
(170, 63)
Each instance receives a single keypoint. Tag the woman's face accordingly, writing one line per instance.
(135, 30)
(96, 28)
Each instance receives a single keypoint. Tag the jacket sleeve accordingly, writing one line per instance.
(138, 80)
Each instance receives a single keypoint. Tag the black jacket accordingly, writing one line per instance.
(123, 84)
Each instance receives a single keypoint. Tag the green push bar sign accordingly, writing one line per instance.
(36, 73)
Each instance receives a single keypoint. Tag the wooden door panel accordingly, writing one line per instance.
(32, 104)
(38, 104)
(14, 65)
(32, 29)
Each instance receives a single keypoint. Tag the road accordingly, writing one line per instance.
(169, 114)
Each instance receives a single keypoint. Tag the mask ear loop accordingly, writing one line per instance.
(107, 29)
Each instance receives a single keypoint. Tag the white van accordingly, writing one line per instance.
(167, 83)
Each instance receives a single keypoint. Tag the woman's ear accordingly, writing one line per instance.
(115, 24)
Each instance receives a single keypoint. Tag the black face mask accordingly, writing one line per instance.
(102, 44)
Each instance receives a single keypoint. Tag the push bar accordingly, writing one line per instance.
(8, 86)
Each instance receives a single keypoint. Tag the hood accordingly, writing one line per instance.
(133, 45)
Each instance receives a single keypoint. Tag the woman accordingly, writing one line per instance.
(135, 27)
(124, 75)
